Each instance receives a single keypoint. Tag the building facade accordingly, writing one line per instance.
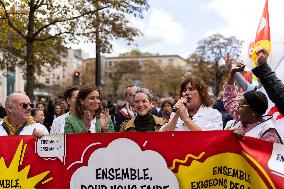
(47, 82)
(11, 80)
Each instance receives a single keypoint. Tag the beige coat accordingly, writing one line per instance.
(130, 126)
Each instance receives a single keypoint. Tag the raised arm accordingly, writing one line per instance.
(240, 80)
(271, 83)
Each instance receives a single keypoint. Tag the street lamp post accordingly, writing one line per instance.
(98, 49)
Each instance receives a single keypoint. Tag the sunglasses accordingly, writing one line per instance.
(26, 105)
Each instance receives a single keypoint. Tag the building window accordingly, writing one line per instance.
(47, 81)
(110, 63)
(170, 61)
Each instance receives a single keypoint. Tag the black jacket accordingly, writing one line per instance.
(272, 85)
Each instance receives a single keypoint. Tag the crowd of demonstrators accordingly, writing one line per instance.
(70, 95)
(144, 120)
(248, 110)
(193, 111)
(83, 110)
(89, 115)
(19, 120)
(126, 112)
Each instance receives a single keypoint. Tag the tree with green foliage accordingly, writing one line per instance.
(136, 52)
(172, 78)
(152, 77)
(36, 31)
(124, 71)
(208, 59)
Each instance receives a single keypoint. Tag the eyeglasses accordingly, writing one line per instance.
(26, 105)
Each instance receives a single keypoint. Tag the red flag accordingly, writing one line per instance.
(262, 38)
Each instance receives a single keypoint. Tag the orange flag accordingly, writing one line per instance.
(262, 38)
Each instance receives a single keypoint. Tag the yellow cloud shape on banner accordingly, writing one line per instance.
(226, 170)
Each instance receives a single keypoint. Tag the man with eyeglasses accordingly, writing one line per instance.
(19, 120)
(126, 112)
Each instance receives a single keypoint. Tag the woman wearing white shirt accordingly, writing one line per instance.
(192, 109)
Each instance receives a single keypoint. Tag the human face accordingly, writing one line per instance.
(92, 101)
(39, 116)
(21, 108)
(72, 100)
(40, 106)
(167, 108)
(193, 97)
(245, 111)
(57, 110)
(130, 94)
(142, 104)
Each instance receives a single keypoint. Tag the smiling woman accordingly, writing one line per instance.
(89, 116)
(144, 120)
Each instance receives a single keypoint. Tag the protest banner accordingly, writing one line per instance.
(161, 160)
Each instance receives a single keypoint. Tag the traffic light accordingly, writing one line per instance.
(76, 78)
(76, 74)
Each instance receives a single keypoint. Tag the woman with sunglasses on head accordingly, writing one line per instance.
(144, 120)
(89, 116)
(248, 110)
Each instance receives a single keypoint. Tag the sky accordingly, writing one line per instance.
(175, 26)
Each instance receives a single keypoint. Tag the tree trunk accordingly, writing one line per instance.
(98, 50)
(30, 68)
(30, 78)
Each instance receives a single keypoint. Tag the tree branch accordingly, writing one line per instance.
(60, 33)
(68, 19)
(9, 20)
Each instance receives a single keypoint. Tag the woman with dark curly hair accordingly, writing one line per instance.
(89, 116)
(192, 109)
